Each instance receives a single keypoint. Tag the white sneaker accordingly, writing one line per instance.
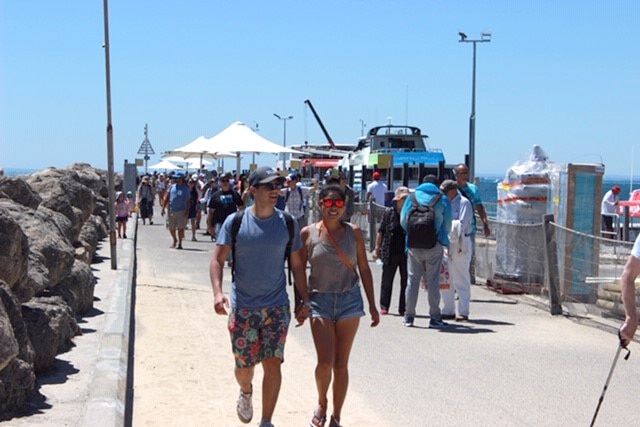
(244, 407)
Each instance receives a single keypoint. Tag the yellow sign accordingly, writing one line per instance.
(139, 162)
(383, 161)
(294, 164)
(253, 166)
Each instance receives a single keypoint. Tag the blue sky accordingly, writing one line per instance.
(560, 74)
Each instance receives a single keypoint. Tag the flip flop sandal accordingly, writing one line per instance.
(317, 420)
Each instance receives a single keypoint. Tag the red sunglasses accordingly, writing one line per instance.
(338, 203)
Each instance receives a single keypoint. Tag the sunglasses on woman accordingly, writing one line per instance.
(338, 203)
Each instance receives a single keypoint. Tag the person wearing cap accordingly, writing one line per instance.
(295, 195)
(223, 203)
(458, 254)
(426, 262)
(608, 209)
(179, 202)
(260, 313)
(145, 200)
(390, 242)
(376, 190)
(336, 176)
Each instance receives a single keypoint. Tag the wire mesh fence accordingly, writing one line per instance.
(529, 258)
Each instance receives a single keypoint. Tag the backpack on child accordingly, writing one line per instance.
(421, 224)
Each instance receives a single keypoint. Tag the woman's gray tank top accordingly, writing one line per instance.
(328, 272)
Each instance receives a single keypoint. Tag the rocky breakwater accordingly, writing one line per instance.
(50, 226)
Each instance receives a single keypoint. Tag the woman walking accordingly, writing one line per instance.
(336, 252)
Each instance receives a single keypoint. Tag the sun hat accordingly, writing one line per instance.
(401, 193)
(264, 175)
(179, 175)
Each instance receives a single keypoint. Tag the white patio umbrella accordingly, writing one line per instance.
(199, 148)
(240, 138)
(166, 165)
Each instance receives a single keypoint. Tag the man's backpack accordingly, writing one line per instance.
(421, 224)
(235, 228)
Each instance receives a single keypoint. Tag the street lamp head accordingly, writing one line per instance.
(463, 36)
(290, 117)
(277, 116)
(486, 36)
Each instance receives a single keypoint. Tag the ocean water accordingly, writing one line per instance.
(18, 171)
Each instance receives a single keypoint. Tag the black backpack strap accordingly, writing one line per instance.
(235, 228)
(435, 200)
(287, 253)
(414, 201)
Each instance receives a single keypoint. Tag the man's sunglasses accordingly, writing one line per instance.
(338, 203)
(271, 186)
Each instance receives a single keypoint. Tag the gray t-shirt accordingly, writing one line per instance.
(260, 279)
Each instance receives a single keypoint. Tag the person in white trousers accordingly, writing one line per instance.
(459, 254)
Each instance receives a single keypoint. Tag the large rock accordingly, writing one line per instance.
(51, 254)
(62, 191)
(8, 343)
(17, 378)
(77, 288)
(51, 328)
(17, 189)
(14, 247)
(17, 382)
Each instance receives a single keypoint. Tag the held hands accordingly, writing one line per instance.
(220, 302)
(302, 312)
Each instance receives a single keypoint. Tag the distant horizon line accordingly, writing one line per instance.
(22, 171)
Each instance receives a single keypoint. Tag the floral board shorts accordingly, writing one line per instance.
(258, 334)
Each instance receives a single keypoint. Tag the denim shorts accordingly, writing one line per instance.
(337, 305)
(258, 334)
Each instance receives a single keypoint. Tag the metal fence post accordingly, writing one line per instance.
(551, 258)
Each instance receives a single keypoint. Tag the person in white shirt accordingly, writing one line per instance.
(608, 208)
(459, 254)
(376, 190)
(295, 195)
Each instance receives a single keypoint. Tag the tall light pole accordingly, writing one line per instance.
(110, 168)
(284, 138)
(484, 38)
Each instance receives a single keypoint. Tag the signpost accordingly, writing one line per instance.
(146, 148)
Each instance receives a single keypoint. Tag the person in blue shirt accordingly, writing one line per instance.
(259, 303)
(179, 202)
(426, 262)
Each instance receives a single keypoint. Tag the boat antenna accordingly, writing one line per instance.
(406, 107)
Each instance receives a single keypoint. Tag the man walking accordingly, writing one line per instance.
(426, 219)
(260, 315)
(471, 193)
(376, 190)
(294, 198)
(179, 203)
(223, 203)
(608, 208)
(459, 254)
